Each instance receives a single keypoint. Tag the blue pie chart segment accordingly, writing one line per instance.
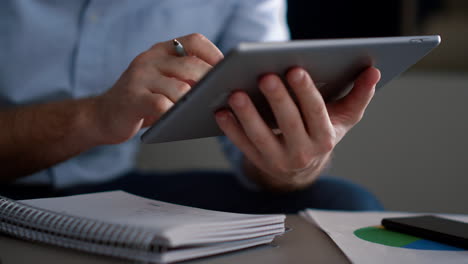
(424, 244)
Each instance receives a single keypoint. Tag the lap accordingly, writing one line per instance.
(218, 190)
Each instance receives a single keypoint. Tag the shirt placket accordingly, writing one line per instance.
(89, 64)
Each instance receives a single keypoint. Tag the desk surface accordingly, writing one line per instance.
(305, 242)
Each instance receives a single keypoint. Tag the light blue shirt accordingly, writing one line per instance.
(59, 49)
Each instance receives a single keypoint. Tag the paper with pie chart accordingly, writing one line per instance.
(363, 240)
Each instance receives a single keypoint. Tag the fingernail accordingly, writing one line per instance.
(297, 76)
(270, 84)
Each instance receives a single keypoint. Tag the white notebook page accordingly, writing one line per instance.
(124, 208)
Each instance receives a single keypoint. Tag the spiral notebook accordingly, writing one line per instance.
(124, 225)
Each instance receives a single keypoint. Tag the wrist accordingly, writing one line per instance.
(87, 123)
(285, 183)
(267, 181)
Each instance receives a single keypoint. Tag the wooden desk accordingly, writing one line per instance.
(305, 243)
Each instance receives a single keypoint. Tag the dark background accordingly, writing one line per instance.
(309, 19)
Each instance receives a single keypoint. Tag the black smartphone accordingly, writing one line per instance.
(443, 230)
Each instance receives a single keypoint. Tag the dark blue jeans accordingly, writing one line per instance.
(219, 190)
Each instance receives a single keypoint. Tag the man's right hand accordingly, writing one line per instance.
(39, 136)
(152, 83)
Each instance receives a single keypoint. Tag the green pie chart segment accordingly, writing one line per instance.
(380, 235)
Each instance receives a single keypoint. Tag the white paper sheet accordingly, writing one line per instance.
(340, 226)
(128, 209)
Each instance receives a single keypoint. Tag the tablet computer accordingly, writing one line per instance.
(333, 64)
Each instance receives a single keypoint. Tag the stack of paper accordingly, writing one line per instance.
(128, 226)
(362, 239)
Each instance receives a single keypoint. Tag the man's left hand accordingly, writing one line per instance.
(310, 129)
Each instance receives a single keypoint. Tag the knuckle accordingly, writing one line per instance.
(140, 59)
(357, 118)
(192, 60)
(327, 144)
(302, 159)
(281, 169)
(318, 109)
(136, 74)
(182, 88)
(294, 125)
(196, 37)
(159, 103)
(157, 46)
(258, 140)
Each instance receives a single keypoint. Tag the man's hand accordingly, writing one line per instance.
(35, 137)
(153, 82)
(309, 131)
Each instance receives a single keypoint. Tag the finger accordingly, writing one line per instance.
(154, 106)
(349, 110)
(170, 87)
(311, 103)
(194, 45)
(232, 129)
(255, 128)
(285, 111)
(189, 69)
(200, 46)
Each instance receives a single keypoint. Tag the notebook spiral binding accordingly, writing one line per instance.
(36, 224)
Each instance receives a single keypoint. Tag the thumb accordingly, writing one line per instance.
(350, 109)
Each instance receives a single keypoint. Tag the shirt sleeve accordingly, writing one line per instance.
(251, 21)
(255, 21)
